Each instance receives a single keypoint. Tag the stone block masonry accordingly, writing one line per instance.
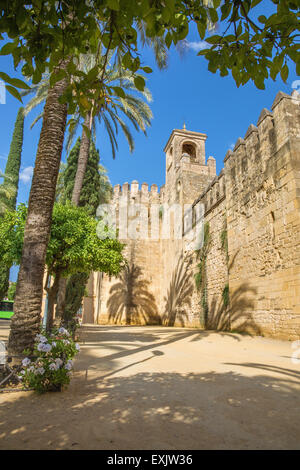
(252, 263)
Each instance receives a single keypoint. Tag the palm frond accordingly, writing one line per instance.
(111, 135)
(126, 132)
(36, 119)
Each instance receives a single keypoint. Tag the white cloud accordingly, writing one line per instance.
(196, 46)
(26, 174)
(232, 146)
(3, 157)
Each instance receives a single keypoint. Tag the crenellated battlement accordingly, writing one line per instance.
(251, 155)
(135, 192)
(213, 194)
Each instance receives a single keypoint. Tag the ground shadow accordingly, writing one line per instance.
(270, 368)
(179, 294)
(157, 411)
(130, 299)
(126, 343)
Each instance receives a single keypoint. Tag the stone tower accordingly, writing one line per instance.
(187, 175)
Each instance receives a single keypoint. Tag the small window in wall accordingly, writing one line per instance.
(190, 150)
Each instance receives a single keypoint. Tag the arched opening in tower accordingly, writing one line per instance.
(189, 149)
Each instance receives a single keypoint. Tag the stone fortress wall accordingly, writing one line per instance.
(252, 258)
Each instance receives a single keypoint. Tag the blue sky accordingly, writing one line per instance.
(185, 92)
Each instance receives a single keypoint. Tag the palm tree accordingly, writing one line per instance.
(132, 104)
(25, 322)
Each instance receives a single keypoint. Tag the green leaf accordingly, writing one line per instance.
(214, 39)
(14, 81)
(225, 9)
(139, 83)
(119, 91)
(213, 15)
(284, 72)
(8, 48)
(201, 29)
(259, 81)
(168, 40)
(127, 60)
(19, 83)
(147, 69)
(14, 92)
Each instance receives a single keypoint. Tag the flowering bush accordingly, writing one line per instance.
(52, 365)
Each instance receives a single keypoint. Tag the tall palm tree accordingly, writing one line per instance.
(25, 322)
(132, 104)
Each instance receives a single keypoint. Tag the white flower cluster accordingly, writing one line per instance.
(44, 347)
(33, 368)
(63, 331)
(26, 362)
(56, 364)
(46, 363)
(69, 365)
(41, 338)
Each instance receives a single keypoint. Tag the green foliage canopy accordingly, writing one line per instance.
(73, 246)
(12, 225)
(96, 188)
(43, 33)
(12, 291)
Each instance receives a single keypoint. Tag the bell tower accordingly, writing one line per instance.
(187, 174)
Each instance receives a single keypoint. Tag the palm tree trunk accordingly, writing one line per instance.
(82, 160)
(80, 172)
(27, 307)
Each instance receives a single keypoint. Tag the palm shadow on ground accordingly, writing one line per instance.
(158, 411)
(152, 409)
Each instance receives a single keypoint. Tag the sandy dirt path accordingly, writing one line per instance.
(163, 388)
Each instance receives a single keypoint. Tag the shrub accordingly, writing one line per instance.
(50, 367)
